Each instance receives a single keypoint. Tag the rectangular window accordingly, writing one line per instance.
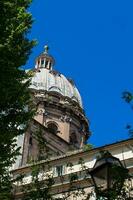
(59, 170)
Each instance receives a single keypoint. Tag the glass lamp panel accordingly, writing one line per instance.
(100, 162)
(116, 177)
(100, 177)
(113, 161)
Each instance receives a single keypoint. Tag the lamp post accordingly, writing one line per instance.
(108, 176)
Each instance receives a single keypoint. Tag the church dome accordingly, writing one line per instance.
(47, 79)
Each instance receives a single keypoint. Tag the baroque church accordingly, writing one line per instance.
(61, 121)
(60, 113)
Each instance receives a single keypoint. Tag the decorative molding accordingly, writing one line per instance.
(65, 118)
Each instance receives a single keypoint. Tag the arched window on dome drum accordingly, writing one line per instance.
(52, 128)
(75, 99)
(55, 88)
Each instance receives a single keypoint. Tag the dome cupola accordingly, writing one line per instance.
(45, 60)
(49, 80)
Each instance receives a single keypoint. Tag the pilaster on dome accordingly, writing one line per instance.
(45, 60)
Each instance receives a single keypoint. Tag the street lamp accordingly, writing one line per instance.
(108, 175)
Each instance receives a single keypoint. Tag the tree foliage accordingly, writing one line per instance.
(128, 97)
(15, 48)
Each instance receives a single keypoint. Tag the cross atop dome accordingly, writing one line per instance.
(46, 48)
(45, 60)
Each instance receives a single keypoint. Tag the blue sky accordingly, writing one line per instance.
(92, 42)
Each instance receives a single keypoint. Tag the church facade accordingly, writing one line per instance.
(57, 135)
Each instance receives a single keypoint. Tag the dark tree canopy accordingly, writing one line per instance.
(15, 110)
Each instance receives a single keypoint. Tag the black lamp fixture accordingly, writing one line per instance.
(108, 176)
